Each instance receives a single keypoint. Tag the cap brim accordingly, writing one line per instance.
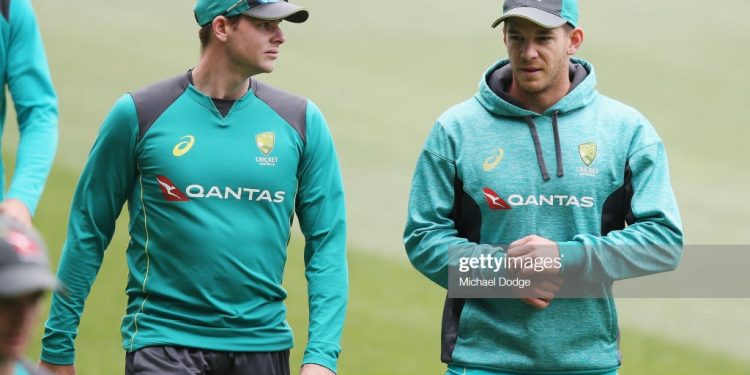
(537, 16)
(21, 280)
(279, 11)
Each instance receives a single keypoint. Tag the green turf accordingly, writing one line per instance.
(393, 320)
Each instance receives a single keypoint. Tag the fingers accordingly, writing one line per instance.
(537, 303)
(521, 241)
(519, 250)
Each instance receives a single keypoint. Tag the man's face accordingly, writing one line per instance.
(17, 320)
(253, 45)
(538, 56)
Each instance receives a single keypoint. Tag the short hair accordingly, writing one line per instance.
(204, 34)
(567, 27)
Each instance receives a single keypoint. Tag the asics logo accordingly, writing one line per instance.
(493, 161)
(185, 144)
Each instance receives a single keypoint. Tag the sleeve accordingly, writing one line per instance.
(105, 184)
(651, 243)
(35, 102)
(431, 237)
(322, 217)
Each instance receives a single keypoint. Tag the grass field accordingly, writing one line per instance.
(382, 72)
(392, 325)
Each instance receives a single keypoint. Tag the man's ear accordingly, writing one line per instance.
(576, 40)
(220, 27)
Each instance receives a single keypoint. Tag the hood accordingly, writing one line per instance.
(492, 95)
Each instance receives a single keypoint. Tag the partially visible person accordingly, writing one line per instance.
(24, 70)
(24, 279)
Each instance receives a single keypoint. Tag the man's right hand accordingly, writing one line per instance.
(541, 294)
(57, 369)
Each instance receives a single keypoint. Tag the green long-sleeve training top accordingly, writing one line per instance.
(24, 71)
(211, 199)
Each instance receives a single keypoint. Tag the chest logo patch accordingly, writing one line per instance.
(494, 160)
(265, 142)
(185, 144)
(494, 200)
(587, 151)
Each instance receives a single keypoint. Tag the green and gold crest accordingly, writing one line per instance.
(265, 142)
(587, 152)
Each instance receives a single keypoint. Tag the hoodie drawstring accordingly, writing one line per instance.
(538, 147)
(558, 149)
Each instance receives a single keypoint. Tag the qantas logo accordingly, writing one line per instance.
(171, 193)
(22, 244)
(497, 203)
(494, 200)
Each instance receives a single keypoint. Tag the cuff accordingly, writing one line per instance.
(58, 346)
(319, 360)
(572, 255)
(54, 358)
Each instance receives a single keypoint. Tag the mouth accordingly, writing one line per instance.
(531, 70)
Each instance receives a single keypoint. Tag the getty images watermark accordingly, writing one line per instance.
(627, 271)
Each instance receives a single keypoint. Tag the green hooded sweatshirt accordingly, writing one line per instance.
(482, 180)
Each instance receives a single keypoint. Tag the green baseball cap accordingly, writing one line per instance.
(272, 10)
(550, 14)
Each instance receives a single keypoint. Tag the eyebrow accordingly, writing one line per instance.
(544, 32)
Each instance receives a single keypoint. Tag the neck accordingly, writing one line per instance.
(216, 78)
(541, 101)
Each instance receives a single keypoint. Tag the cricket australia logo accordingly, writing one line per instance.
(265, 142)
(587, 152)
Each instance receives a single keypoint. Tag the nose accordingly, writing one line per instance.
(529, 51)
(278, 36)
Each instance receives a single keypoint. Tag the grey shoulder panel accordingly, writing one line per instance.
(151, 101)
(292, 108)
(5, 9)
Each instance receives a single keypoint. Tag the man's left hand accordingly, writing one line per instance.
(534, 247)
(16, 210)
(313, 369)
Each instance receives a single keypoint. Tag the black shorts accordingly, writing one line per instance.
(174, 360)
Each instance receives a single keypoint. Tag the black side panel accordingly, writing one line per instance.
(5, 9)
(617, 211)
(151, 101)
(465, 213)
(451, 316)
(468, 221)
(292, 108)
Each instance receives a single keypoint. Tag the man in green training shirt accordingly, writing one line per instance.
(213, 165)
(24, 71)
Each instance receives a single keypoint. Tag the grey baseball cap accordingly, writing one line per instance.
(272, 10)
(24, 266)
(546, 13)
